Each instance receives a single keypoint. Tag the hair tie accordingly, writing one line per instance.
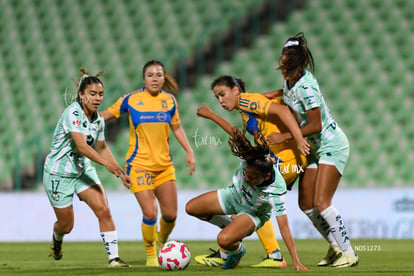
(236, 81)
(291, 43)
(84, 76)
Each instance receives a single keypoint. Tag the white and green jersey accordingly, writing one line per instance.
(64, 158)
(305, 95)
(263, 198)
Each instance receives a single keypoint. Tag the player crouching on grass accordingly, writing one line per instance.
(257, 188)
(68, 169)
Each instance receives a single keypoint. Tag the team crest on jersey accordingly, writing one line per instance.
(164, 104)
(253, 106)
(262, 195)
(292, 95)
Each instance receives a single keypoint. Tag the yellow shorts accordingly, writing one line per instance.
(148, 180)
(292, 168)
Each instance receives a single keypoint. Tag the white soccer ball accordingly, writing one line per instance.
(174, 255)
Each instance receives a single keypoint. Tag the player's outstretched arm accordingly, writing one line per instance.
(273, 94)
(107, 115)
(287, 118)
(283, 223)
(206, 112)
(103, 149)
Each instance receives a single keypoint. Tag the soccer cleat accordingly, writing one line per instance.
(333, 253)
(152, 260)
(56, 249)
(345, 260)
(234, 259)
(117, 262)
(214, 259)
(271, 262)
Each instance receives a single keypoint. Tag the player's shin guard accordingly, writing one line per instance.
(110, 240)
(338, 230)
(149, 234)
(321, 225)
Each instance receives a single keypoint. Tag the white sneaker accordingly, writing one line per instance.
(345, 260)
(117, 262)
(334, 253)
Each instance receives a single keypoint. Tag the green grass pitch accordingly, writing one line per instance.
(377, 257)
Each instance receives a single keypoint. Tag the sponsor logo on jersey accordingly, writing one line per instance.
(55, 196)
(76, 123)
(162, 116)
(140, 103)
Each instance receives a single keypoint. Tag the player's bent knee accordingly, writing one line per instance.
(104, 213)
(189, 208)
(224, 240)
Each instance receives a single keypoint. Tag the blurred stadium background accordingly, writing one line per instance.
(362, 50)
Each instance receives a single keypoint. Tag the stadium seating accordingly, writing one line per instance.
(365, 76)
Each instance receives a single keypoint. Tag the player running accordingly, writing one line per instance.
(68, 170)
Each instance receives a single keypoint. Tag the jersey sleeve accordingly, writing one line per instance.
(310, 96)
(72, 121)
(175, 117)
(120, 106)
(255, 103)
(101, 129)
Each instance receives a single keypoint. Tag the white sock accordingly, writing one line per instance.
(238, 250)
(337, 228)
(223, 254)
(220, 220)
(57, 237)
(321, 225)
(110, 240)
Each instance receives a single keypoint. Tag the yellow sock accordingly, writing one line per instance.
(166, 228)
(149, 234)
(267, 236)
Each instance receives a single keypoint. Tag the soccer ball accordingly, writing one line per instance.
(174, 255)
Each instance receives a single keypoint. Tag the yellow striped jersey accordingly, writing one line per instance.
(150, 118)
(254, 108)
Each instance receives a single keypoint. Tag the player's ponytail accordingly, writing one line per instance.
(297, 54)
(84, 80)
(170, 85)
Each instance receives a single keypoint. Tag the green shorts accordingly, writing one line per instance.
(335, 153)
(231, 204)
(60, 189)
